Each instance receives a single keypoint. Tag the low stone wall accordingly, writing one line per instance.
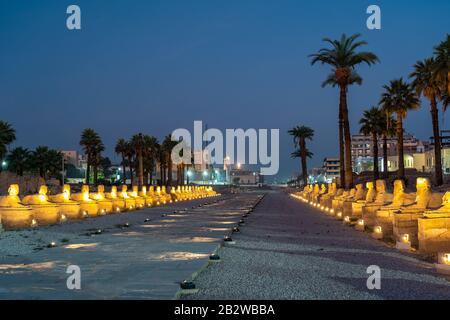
(27, 184)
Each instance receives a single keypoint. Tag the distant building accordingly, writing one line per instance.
(331, 169)
(244, 177)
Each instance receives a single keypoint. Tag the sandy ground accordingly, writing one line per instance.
(148, 259)
(287, 250)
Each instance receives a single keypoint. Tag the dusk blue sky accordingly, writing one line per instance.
(153, 66)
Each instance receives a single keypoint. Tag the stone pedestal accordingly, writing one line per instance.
(434, 233)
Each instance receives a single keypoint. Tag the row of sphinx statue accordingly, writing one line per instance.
(417, 220)
(43, 209)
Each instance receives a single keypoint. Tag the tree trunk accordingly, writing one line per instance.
(88, 169)
(124, 172)
(95, 174)
(401, 157)
(385, 158)
(130, 165)
(376, 172)
(341, 147)
(141, 169)
(437, 142)
(303, 161)
(169, 172)
(347, 139)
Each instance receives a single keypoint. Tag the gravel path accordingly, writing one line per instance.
(287, 250)
(147, 259)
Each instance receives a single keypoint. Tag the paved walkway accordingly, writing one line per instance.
(146, 260)
(287, 250)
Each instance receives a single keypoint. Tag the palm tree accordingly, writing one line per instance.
(399, 98)
(121, 148)
(97, 159)
(299, 153)
(149, 153)
(372, 124)
(168, 145)
(427, 84)
(300, 135)
(343, 58)
(92, 146)
(7, 136)
(18, 160)
(442, 67)
(130, 153)
(331, 80)
(39, 160)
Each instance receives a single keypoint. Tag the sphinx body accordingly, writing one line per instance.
(347, 205)
(105, 205)
(88, 206)
(434, 228)
(357, 206)
(13, 213)
(325, 199)
(338, 201)
(148, 199)
(44, 211)
(382, 198)
(406, 218)
(69, 208)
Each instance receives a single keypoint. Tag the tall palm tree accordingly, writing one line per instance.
(399, 98)
(300, 135)
(97, 159)
(354, 78)
(343, 58)
(442, 67)
(91, 143)
(7, 136)
(18, 160)
(298, 153)
(427, 84)
(121, 149)
(372, 124)
(39, 160)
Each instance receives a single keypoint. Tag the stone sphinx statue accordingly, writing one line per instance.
(118, 203)
(146, 196)
(69, 208)
(130, 203)
(105, 205)
(382, 198)
(44, 211)
(88, 206)
(134, 194)
(324, 199)
(347, 205)
(359, 204)
(434, 229)
(406, 218)
(13, 213)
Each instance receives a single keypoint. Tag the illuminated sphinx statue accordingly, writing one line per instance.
(134, 194)
(405, 219)
(13, 214)
(347, 205)
(69, 208)
(359, 204)
(130, 203)
(118, 203)
(44, 211)
(382, 198)
(148, 198)
(338, 201)
(434, 228)
(87, 205)
(105, 205)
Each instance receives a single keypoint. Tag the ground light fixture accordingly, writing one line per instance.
(187, 285)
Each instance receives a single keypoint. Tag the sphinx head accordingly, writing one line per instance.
(43, 190)
(144, 190)
(359, 187)
(446, 199)
(422, 184)
(101, 188)
(13, 190)
(380, 185)
(399, 186)
(369, 185)
(66, 191)
(124, 188)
